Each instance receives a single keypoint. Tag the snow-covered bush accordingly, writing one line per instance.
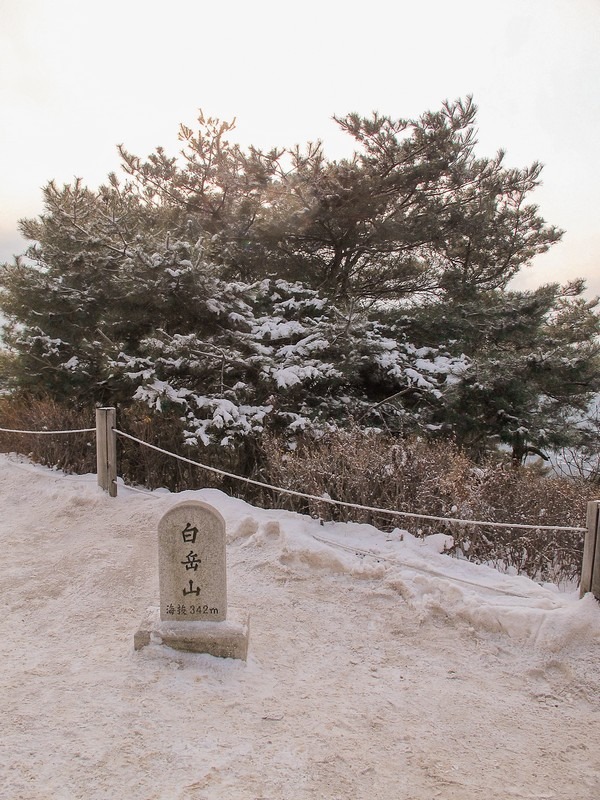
(276, 355)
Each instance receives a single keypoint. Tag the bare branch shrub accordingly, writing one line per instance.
(437, 479)
(137, 465)
(75, 453)
(141, 466)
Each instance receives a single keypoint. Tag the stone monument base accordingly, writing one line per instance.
(227, 639)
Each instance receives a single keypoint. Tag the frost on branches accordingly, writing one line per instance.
(280, 356)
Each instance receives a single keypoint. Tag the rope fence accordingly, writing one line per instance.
(305, 495)
(48, 433)
(344, 504)
(106, 433)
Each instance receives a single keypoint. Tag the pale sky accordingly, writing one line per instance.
(78, 77)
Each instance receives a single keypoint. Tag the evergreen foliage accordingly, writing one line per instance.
(242, 290)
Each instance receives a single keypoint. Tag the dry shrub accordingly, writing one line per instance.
(437, 479)
(142, 466)
(137, 465)
(369, 469)
(527, 495)
(72, 453)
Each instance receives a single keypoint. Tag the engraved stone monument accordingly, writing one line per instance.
(192, 574)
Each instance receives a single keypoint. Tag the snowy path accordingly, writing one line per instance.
(366, 678)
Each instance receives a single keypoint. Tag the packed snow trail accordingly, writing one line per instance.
(378, 667)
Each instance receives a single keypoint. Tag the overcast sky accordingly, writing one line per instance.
(79, 77)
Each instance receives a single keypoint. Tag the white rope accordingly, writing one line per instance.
(141, 491)
(48, 433)
(330, 501)
(426, 570)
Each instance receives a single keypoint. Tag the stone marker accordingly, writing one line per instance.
(192, 576)
(191, 564)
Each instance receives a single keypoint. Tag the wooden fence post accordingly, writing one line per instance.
(590, 570)
(106, 449)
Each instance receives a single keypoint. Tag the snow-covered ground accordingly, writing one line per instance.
(378, 667)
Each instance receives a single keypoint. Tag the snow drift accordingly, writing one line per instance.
(378, 665)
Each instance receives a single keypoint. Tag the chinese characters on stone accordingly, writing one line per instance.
(192, 561)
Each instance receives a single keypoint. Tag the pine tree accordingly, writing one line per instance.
(240, 289)
(279, 356)
(534, 364)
